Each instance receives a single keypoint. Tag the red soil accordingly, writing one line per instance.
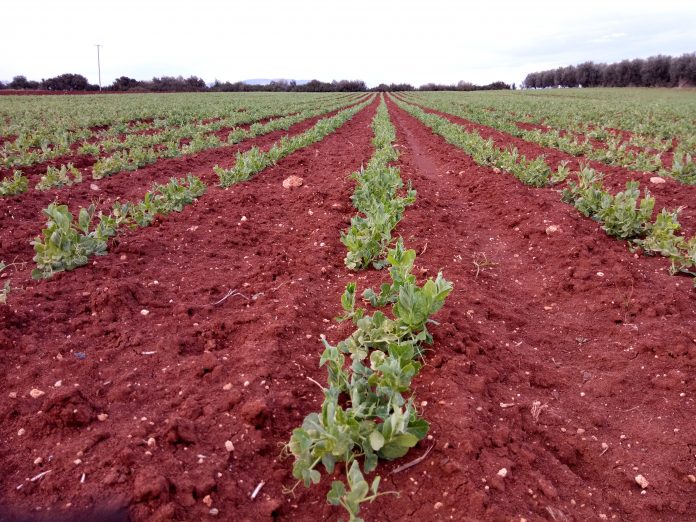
(607, 356)
(670, 194)
(85, 162)
(22, 214)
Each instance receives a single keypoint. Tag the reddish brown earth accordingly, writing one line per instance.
(22, 214)
(669, 195)
(608, 358)
(84, 162)
(85, 329)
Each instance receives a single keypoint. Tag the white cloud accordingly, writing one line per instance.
(408, 40)
(608, 38)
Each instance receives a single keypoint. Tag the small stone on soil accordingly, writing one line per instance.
(207, 500)
(292, 182)
(58, 384)
(102, 417)
(227, 387)
(214, 511)
(642, 481)
(36, 393)
(657, 180)
(229, 446)
(144, 312)
(151, 442)
(503, 472)
(21, 432)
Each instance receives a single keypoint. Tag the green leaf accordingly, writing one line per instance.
(338, 491)
(376, 440)
(375, 484)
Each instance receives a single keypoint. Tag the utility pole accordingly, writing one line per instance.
(99, 65)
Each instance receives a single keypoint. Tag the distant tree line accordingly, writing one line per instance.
(63, 82)
(656, 71)
(77, 82)
(466, 86)
(292, 86)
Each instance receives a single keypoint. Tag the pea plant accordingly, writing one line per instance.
(255, 160)
(662, 239)
(66, 175)
(534, 172)
(615, 150)
(66, 243)
(625, 216)
(377, 200)
(368, 412)
(5, 290)
(11, 186)
(622, 215)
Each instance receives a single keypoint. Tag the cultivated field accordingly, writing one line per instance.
(512, 274)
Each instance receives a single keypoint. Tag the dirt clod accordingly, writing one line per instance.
(292, 182)
(35, 393)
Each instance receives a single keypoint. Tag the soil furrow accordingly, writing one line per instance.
(21, 219)
(562, 342)
(671, 194)
(189, 374)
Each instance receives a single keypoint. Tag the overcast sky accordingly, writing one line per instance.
(376, 41)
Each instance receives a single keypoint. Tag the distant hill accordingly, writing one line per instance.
(266, 81)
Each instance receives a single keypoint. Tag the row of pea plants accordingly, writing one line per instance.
(49, 140)
(624, 215)
(140, 155)
(376, 198)
(67, 243)
(255, 160)
(616, 152)
(368, 412)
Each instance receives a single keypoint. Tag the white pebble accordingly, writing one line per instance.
(642, 481)
(36, 393)
(144, 312)
(229, 446)
(503, 472)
